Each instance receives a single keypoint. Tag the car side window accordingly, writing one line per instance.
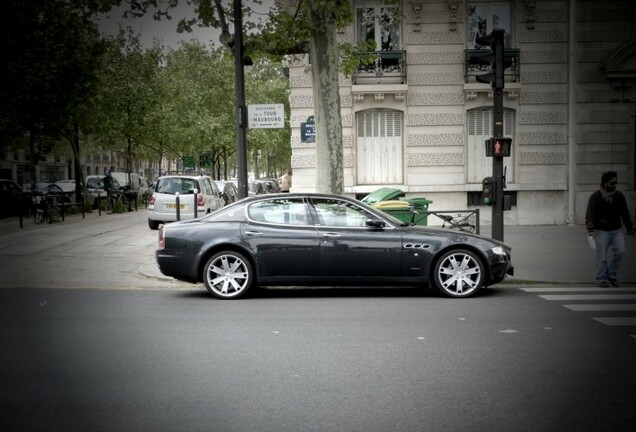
(337, 213)
(213, 189)
(280, 211)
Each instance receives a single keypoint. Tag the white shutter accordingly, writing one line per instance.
(379, 147)
(479, 130)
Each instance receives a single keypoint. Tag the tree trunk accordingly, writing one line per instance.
(326, 93)
(75, 144)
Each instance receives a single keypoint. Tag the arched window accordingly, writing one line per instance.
(479, 130)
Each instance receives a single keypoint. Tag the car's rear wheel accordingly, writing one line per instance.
(227, 275)
(153, 224)
(458, 273)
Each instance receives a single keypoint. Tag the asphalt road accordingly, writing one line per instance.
(309, 360)
(93, 338)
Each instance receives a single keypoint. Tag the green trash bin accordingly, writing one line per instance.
(382, 194)
(420, 206)
(401, 210)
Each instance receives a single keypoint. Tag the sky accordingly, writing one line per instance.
(166, 30)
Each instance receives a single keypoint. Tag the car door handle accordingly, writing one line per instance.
(331, 235)
(253, 233)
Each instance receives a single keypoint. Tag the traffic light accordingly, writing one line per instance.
(501, 147)
(488, 190)
(495, 57)
(498, 147)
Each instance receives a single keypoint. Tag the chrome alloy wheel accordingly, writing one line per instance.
(227, 275)
(459, 273)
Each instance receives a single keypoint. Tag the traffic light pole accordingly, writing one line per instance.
(241, 109)
(497, 168)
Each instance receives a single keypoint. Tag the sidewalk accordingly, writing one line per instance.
(540, 253)
(559, 254)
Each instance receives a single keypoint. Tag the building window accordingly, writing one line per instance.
(379, 147)
(378, 34)
(485, 16)
(480, 128)
(378, 27)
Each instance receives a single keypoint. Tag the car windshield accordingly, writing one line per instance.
(95, 183)
(173, 185)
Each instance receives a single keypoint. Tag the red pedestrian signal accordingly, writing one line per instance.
(501, 147)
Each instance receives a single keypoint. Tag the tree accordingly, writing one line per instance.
(49, 50)
(126, 95)
(299, 27)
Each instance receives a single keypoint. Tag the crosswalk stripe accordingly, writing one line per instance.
(600, 307)
(575, 297)
(616, 321)
(589, 289)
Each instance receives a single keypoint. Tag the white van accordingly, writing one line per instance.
(123, 177)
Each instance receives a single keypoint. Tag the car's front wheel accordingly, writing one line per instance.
(153, 224)
(458, 273)
(228, 275)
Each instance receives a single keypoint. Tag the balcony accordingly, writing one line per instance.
(477, 63)
(381, 67)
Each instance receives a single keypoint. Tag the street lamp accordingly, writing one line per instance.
(241, 109)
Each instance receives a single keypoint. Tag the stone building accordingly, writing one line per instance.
(417, 119)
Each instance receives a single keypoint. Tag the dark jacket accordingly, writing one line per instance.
(605, 216)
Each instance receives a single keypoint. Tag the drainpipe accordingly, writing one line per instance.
(571, 112)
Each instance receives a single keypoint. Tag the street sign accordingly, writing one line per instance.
(308, 130)
(266, 116)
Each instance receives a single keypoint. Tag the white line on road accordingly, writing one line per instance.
(576, 297)
(617, 321)
(600, 307)
(589, 289)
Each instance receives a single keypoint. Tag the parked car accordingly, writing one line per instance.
(14, 200)
(269, 185)
(229, 191)
(327, 240)
(144, 187)
(95, 188)
(162, 206)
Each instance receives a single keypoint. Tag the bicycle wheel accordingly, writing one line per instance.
(111, 203)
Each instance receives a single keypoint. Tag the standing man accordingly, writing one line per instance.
(606, 213)
(286, 181)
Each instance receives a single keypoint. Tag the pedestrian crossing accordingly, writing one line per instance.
(609, 306)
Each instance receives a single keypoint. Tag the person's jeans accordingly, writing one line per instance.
(606, 240)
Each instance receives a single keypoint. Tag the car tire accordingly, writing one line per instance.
(458, 273)
(153, 224)
(228, 275)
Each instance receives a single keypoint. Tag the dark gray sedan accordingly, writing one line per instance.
(326, 240)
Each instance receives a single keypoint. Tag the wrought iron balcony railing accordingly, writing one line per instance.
(477, 62)
(381, 67)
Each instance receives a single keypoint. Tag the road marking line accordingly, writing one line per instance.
(600, 307)
(575, 297)
(566, 289)
(616, 321)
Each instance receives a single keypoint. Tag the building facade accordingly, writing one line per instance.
(416, 119)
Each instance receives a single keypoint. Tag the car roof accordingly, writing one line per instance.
(184, 176)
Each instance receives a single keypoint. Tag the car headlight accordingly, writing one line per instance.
(499, 250)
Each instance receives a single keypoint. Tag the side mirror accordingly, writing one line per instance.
(375, 223)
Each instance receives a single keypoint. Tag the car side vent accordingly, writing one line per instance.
(416, 246)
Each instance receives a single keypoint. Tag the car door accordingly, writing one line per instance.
(284, 240)
(349, 250)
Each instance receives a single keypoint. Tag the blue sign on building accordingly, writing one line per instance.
(308, 131)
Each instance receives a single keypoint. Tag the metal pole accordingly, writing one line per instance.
(241, 109)
(497, 169)
(497, 121)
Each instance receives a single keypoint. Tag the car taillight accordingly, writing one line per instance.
(162, 239)
(151, 201)
(200, 202)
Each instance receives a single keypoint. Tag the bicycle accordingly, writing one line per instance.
(115, 199)
(462, 223)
